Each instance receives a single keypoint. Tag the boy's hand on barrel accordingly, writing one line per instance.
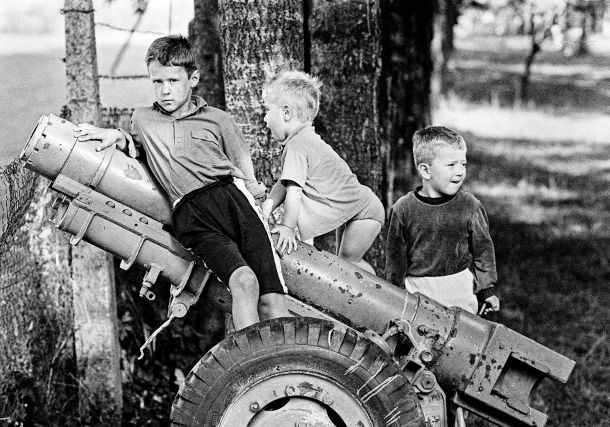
(107, 137)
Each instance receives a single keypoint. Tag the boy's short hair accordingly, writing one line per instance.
(173, 50)
(298, 90)
(427, 141)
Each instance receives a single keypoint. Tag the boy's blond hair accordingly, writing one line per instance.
(427, 142)
(298, 90)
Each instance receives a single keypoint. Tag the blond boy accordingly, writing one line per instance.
(319, 191)
(438, 237)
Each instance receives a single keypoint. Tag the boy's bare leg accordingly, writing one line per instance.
(357, 238)
(244, 291)
(271, 306)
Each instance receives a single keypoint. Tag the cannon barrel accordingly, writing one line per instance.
(52, 150)
(482, 366)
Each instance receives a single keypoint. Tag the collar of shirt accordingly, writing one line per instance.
(432, 200)
(297, 131)
(196, 100)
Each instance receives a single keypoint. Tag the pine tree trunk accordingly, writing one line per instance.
(346, 56)
(259, 39)
(204, 35)
(96, 334)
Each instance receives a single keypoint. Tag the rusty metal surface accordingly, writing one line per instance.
(52, 149)
(482, 366)
(132, 237)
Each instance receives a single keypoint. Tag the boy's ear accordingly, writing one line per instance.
(194, 79)
(424, 170)
(286, 113)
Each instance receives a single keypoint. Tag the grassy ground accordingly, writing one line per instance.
(542, 169)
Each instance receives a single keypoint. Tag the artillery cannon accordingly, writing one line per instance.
(360, 351)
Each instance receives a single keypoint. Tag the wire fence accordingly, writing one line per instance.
(36, 314)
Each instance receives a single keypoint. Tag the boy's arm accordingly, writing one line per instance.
(287, 241)
(124, 141)
(396, 262)
(274, 199)
(484, 259)
(237, 152)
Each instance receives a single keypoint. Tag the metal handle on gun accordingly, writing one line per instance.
(484, 307)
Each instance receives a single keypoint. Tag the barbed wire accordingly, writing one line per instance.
(129, 30)
(123, 77)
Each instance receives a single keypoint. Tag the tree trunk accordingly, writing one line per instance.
(96, 335)
(405, 100)
(259, 39)
(346, 56)
(204, 35)
(445, 16)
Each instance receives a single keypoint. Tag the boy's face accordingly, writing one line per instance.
(276, 121)
(445, 174)
(173, 87)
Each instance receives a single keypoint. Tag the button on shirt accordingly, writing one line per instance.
(187, 153)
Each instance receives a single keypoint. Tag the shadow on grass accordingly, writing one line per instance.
(489, 70)
(571, 92)
(553, 281)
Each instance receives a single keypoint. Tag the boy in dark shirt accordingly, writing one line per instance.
(438, 232)
(199, 156)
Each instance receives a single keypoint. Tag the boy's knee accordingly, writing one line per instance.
(243, 281)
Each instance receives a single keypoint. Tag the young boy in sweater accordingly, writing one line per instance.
(438, 240)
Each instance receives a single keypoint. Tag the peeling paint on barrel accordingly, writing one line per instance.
(132, 173)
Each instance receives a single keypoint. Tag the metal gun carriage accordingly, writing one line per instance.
(360, 351)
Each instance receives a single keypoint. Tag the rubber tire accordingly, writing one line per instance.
(295, 343)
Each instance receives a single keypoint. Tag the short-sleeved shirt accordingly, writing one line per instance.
(188, 153)
(332, 194)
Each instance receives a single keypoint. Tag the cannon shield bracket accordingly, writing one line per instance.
(508, 372)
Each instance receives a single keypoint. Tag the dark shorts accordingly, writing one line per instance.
(221, 226)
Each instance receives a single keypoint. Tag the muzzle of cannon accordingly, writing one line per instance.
(112, 202)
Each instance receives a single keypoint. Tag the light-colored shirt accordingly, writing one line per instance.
(187, 153)
(332, 194)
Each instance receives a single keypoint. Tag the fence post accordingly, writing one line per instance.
(95, 323)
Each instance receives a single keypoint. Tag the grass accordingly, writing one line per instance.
(543, 172)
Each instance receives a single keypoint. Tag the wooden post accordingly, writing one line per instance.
(96, 338)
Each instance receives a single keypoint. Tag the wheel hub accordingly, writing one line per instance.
(295, 399)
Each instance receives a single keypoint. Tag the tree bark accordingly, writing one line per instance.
(405, 100)
(204, 35)
(346, 56)
(96, 335)
(259, 39)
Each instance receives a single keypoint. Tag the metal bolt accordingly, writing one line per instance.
(426, 356)
(291, 390)
(328, 399)
(303, 423)
(422, 329)
(480, 388)
(501, 346)
(254, 406)
(427, 381)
